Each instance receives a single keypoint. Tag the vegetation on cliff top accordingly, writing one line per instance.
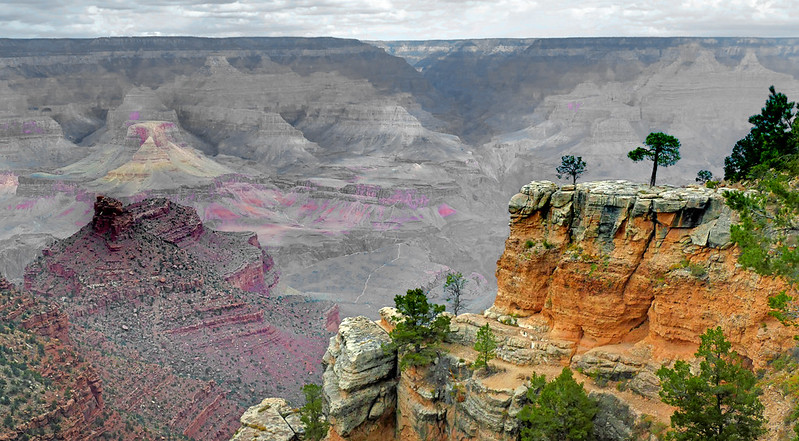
(421, 329)
(662, 149)
(773, 137)
(571, 166)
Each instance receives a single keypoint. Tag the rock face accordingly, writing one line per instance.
(615, 262)
(612, 279)
(359, 379)
(160, 301)
(55, 402)
(445, 400)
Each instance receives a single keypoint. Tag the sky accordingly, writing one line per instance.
(399, 19)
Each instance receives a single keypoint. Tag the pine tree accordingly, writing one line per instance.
(454, 289)
(311, 414)
(485, 345)
(703, 176)
(571, 166)
(770, 139)
(559, 410)
(422, 327)
(720, 403)
(662, 149)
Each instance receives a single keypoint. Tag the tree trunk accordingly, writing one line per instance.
(654, 169)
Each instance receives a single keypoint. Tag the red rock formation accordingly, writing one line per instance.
(73, 402)
(151, 286)
(616, 262)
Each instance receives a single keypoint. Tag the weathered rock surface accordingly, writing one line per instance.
(615, 262)
(359, 379)
(57, 394)
(270, 420)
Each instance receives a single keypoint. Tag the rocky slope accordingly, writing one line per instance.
(48, 390)
(179, 317)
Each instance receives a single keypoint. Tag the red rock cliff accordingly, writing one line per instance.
(615, 262)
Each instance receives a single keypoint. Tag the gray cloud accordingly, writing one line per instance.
(396, 19)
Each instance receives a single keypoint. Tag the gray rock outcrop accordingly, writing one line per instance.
(270, 420)
(359, 380)
(613, 203)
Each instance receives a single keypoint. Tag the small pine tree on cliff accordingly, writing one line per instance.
(662, 149)
(571, 166)
(558, 411)
(704, 176)
(421, 329)
(719, 403)
(311, 414)
(485, 345)
(454, 289)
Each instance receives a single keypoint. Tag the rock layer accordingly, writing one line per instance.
(359, 381)
(615, 262)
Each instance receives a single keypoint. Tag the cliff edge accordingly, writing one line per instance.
(613, 262)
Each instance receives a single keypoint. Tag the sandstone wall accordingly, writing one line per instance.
(614, 262)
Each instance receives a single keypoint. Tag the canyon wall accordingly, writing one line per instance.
(614, 262)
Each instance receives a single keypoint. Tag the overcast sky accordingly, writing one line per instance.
(399, 20)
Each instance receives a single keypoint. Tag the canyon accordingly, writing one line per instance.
(204, 212)
(177, 318)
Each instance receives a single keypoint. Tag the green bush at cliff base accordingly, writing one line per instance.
(311, 414)
(558, 411)
(720, 402)
(421, 329)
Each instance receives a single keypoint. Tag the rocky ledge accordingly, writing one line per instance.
(368, 400)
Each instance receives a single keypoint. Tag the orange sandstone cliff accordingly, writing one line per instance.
(614, 262)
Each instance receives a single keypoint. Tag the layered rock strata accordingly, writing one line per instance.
(359, 379)
(56, 394)
(270, 420)
(160, 300)
(614, 262)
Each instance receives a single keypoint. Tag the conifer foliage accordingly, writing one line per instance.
(454, 287)
(421, 329)
(311, 414)
(662, 149)
(485, 345)
(772, 137)
(571, 166)
(558, 411)
(720, 402)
